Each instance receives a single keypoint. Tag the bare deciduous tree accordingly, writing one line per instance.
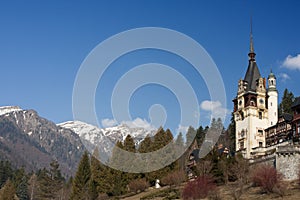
(240, 170)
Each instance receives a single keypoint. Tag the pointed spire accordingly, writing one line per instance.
(251, 38)
(251, 54)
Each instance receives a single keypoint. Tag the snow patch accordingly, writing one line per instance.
(8, 109)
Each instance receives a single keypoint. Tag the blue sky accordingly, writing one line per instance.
(43, 44)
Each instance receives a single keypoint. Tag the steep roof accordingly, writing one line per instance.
(287, 117)
(252, 75)
(296, 102)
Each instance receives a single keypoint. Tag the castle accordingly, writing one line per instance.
(255, 107)
(260, 133)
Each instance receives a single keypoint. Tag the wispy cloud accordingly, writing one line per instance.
(284, 77)
(139, 123)
(292, 62)
(136, 123)
(215, 108)
(108, 122)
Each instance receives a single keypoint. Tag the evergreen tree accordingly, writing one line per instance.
(49, 182)
(44, 185)
(22, 189)
(81, 182)
(100, 175)
(231, 131)
(129, 144)
(161, 139)
(200, 135)
(19, 180)
(179, 148)
(190, 136)
(286, 103)
(57, 180)
(5, 172)
(146, 145)
(179, 141)
(215, 130)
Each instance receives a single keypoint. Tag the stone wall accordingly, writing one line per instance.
(288, 161)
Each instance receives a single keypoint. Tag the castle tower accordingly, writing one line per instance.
(251, 108)
(272, 100)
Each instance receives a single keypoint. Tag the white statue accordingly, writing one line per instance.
(157, 184)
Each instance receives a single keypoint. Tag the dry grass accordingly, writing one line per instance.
(292, 193)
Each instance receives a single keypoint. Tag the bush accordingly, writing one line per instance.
(138, 185)
(174, 178)
(102, 196)
(199, 188)
(163, 194)
(267, 177)
(299, 175)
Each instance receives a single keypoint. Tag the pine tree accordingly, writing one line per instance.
(200, 135)
(129, 144)
(57, 180)
(100, 175)
(190, 136)
(161, 139)
(286, 103)
(215, 130)
(5, 172)
(81, 182)
(49, 182)
(22, 189)
(44, 185)
(231, 132)
(179, 141)
(179, 150)
(146, 145)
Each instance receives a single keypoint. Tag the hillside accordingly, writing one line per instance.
(30, 141)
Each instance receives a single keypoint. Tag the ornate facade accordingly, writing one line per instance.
(255, 107)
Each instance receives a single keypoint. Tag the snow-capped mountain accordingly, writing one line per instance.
(8, 109)
(28, 140)
(105, 138)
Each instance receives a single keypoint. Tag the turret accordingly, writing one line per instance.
(273, 100)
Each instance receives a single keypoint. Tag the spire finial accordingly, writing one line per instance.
(251, 54)
(251, 37)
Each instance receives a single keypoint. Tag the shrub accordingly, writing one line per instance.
(174, 178)
(299, 175)
(138, 185)
(102, 196)
(163, 194)
(199, 188)
(267, 177)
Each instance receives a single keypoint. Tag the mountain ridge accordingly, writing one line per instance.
(105, 138)
(32, 142)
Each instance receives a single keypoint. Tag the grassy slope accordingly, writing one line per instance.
(225, 192)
